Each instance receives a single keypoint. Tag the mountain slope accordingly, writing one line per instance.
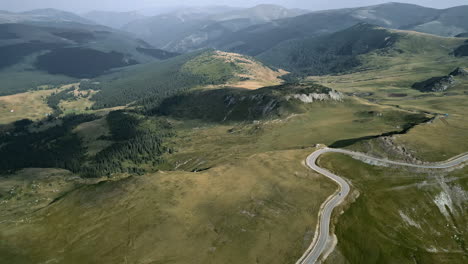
(260, 13)
(149, 84)
(333, 53)
(68, 49)
(190, 29)
(259, 38)
(43, 16)
(163, 29)
(113, 19)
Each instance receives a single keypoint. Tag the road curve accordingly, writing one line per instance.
(319, 243)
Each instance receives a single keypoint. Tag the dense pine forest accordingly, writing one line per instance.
(55, 147)
(136, 141)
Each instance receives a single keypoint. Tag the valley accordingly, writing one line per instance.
(120, 143)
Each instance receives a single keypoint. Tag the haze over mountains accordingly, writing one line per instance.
(42, 16)
(189, 29)
(255, 30)
(261, 37)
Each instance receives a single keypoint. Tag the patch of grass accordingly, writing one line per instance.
(212, 67)
(30, 105)
(38, 104)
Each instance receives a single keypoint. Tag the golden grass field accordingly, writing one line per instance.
(242, 212)
(29, 105)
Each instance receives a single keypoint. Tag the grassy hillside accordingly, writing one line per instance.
(388, 79)
(232, 214)
(401, 215)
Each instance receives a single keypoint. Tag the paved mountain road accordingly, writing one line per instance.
(319, 244)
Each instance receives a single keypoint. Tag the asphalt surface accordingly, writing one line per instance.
(319, 244)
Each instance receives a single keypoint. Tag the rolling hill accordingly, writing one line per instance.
(150, 83)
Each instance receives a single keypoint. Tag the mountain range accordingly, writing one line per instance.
(187, 29)
(42, 16)
(292, 39)
(259, 38)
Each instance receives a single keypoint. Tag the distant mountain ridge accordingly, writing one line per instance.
(260, 13)
(33, 53)
(257, 29)
(189, 29)
(42, 16)
(253, 39)
(113, 19)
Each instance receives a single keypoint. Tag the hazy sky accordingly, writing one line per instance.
(127, 5)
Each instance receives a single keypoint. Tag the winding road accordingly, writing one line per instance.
(319, 244)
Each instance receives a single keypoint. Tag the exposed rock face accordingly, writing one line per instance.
(435, 84)
(459, 72)
(440, 84)
(393, 149)
(230, 104)
(313, 97)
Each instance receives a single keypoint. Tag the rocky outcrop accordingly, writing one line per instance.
(231, 104)
(440, 84)
(313, 97)
(435, 84)
(459, 72)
